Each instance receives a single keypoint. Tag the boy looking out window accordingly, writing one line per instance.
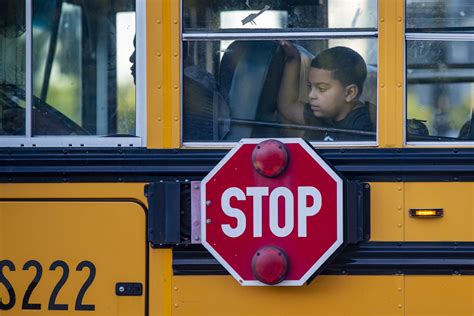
(335, 83)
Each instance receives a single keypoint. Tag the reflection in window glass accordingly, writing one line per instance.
(293, 14)
(440, 90)
(239, 92)
(63, 90)
(12, 68)
(439, 14)
(78, 88)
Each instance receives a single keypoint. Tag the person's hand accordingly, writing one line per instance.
(290, 50)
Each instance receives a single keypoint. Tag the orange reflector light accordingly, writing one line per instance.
(270, 265)
(427, 213)
(270, 158)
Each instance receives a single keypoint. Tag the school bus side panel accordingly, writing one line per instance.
(78, 248)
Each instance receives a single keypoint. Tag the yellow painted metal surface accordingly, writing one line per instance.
(131, 191)
(108, 235)
(327, 295)
(154, 75)
(160, 265)
(391, 73)
(457, 201)
(163, 74)
(387, 211)
(439, 295)
(160, 276)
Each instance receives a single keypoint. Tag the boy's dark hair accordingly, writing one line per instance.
(346, 65)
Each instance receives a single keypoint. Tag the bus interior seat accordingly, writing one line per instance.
(369, 93)
(197, 114)
(249, 80)
(205, 113)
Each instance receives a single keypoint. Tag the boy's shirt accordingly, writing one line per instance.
(357, 119)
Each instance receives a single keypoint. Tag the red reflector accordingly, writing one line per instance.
(270, 265)
(270, 158)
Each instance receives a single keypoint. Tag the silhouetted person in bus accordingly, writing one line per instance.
(132, 60)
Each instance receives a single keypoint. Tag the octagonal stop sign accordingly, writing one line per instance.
(272, 209)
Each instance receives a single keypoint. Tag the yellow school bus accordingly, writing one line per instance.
(112, 110)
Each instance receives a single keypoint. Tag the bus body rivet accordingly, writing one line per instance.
(208, 221)
(208, 202)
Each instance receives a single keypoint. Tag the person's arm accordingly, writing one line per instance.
(288, 104)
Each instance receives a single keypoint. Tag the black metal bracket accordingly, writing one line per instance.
(357, 210)
(164, 205)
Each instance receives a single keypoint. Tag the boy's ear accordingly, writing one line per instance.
(351, 92)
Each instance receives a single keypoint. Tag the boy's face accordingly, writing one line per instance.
(327, 96)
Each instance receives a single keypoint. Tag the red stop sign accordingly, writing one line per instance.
(299, 211)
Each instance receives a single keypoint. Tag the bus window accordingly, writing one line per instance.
(236, 69)
(440, 71)
(12, 68)
(80, 70)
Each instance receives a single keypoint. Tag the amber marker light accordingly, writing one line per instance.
(426, 213)
(270, 158)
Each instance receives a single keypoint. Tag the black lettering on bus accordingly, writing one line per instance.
(39, 272)
(52, 300)
(8, 285)
(85, 286)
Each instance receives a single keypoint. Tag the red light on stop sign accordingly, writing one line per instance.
(270, 158)
(270, 265)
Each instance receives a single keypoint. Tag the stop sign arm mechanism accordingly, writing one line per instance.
(172, 220)
(169, 213)
(357, 210)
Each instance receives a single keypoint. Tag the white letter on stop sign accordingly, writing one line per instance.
(233, 212)
(305, 210)
(289, 212)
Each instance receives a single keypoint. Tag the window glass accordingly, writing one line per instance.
(251, 88)
(125, 83)
(57, 82)
(12, 68)
(78, 87)
(279, 14)
(440, 90)
(440, 14)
